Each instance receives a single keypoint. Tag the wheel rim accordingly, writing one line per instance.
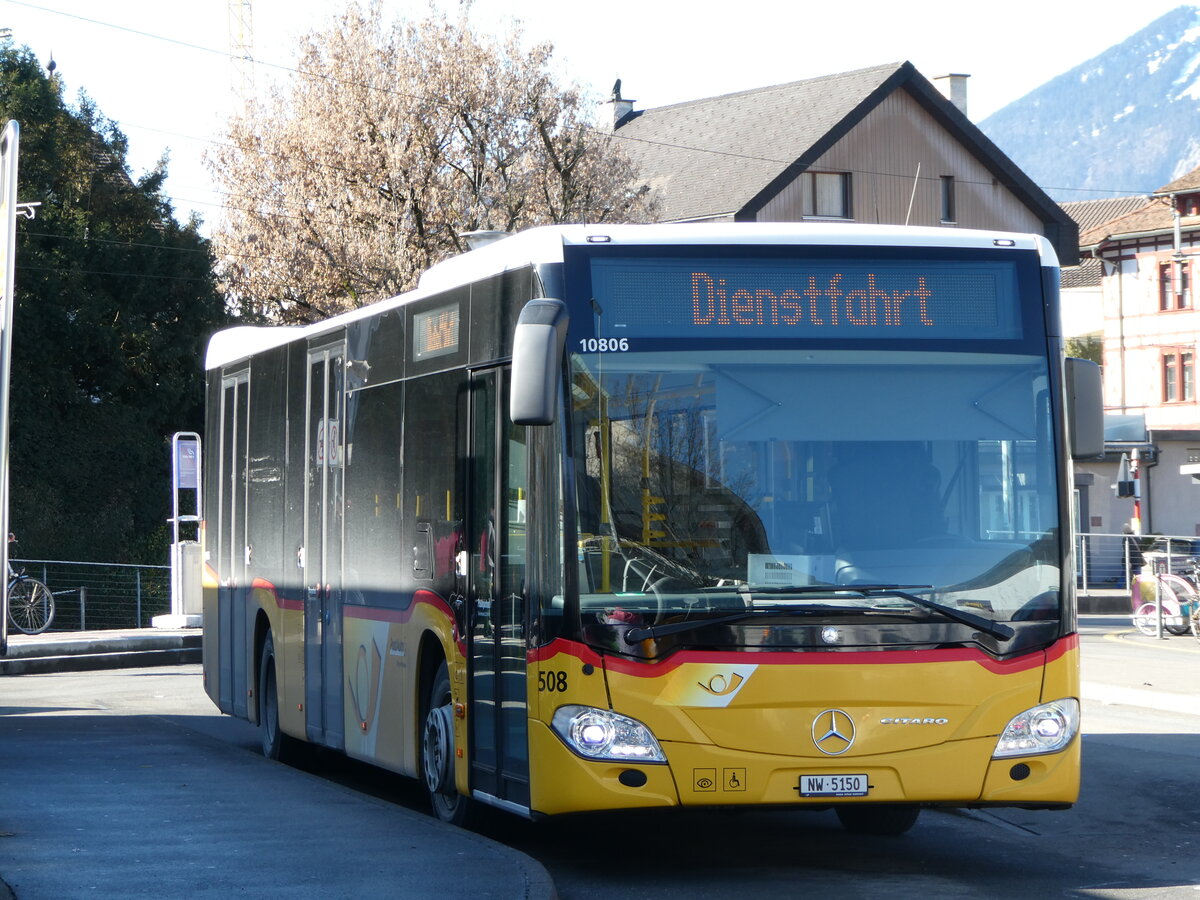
(1145, 618)
(439, 749)
(30, 607)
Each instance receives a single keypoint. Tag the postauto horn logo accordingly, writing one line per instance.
(833, 732)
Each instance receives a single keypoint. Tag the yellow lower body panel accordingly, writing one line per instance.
(1052, 779)
(947, 773)
(564, 782)
(959, 773)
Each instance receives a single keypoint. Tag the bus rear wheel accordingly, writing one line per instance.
(437, 753)
(889, 819)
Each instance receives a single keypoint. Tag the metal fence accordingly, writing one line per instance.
(95, 596)
(1109, 561)
(98, 596)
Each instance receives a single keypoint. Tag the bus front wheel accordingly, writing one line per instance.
(437, 752)
(880, 819)
(275, 744)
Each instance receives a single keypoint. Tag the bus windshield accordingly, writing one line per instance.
(716, 482)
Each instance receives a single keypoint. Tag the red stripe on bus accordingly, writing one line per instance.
(261, 584)
(403, 616)
(379, 614)
(650, 669)
(374, 614)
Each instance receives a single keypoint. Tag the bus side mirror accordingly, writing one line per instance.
(1085, 408)
(538, 344)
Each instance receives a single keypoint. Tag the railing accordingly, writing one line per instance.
(94, 596)
(99, 596)
(1110, 561)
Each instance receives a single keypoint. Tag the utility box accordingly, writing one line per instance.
(187, 562)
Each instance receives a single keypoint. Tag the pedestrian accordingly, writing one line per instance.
(1133, 552)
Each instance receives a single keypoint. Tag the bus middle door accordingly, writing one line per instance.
(496, 485)
(232, 545)
(323, 498)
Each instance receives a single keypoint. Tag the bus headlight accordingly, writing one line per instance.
(602, 734)
(1044, 729)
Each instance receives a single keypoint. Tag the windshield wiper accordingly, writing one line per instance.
(997, 630)
(638, 634)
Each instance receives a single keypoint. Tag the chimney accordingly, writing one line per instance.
(954, 87)
(621, 106)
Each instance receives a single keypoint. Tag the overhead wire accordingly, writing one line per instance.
(453, 108)
(229, 205)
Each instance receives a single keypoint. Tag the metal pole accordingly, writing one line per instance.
(9, 144)
(1136, 468)
(1158, 629)
(1083, 562)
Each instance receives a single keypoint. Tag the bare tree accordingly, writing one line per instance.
(391, 142)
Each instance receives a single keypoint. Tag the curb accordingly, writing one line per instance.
(79, 652)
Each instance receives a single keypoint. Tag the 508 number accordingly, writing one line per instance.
(604, 345)
(552, 682)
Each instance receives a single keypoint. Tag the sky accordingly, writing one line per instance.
(162, 69)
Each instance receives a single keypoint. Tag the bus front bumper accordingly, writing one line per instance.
(953, 774)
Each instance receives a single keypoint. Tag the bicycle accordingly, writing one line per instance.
(30, 602)
(1179, 597)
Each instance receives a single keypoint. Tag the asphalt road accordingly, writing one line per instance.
(1135, 833)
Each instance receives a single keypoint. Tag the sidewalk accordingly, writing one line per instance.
(78, 651)
(101, 805)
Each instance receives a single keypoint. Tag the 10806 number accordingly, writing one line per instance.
(604, 345)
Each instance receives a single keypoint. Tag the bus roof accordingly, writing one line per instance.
(544, 245)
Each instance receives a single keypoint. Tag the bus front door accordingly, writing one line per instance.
(496, 596)
(323, 497)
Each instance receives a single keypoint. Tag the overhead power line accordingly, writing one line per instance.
(247, 59)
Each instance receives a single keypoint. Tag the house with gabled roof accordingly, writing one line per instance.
(875, 145)
(1082, 304)
(1151, 330)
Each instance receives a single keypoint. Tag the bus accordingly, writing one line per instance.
(634, 516)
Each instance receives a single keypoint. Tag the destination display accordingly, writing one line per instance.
(850, 299)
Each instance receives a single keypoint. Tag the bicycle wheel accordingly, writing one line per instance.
(30, 605)
(1179, 597)
(1145, 618)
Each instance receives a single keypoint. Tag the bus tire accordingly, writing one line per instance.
(275, 744)
(437, 752)
(886, 819)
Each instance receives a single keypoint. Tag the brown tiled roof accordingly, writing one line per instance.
(1188, 182)
(1091, 213)
(1151, 216)
(1085, 275)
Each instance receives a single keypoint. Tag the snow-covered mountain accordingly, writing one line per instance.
(1126, 121)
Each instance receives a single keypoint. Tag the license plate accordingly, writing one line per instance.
(833, 785)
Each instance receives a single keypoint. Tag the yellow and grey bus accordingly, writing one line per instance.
(616, 517)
